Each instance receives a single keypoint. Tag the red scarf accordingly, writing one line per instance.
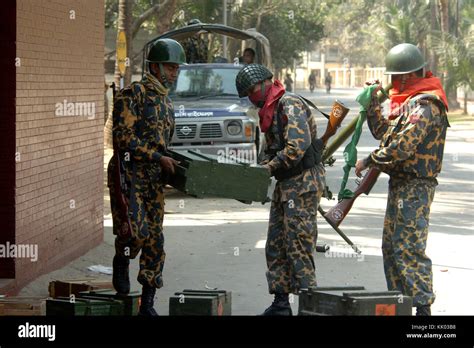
(272, 95)
(413, 86)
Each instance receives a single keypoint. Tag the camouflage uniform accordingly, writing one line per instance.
(292, 230)
(143, 121)
(411, 152)
(196, 50)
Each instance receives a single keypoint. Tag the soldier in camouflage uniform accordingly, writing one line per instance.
(195, 46)
(411, 153)
(143, 123)
(291, 142)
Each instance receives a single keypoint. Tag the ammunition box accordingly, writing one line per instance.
(202, 175)
(65, 288)
(20, 306)
(353, 301)
(130, 302)
(201, 302)
(63, 306)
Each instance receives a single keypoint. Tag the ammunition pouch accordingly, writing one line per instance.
(312, 157)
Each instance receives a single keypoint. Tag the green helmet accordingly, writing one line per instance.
(166, 51)
(403, 59)
(249, 76)
(194, 21)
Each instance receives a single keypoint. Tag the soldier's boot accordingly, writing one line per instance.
(147, 302)
(423, 310)
(120, 277)
(280, 306)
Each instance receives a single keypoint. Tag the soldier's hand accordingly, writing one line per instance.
(359, 168)
(168, 164)
(267, 167)
(373, 82)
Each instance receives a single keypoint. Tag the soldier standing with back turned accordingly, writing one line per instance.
(411, 153)
(292, 156)
(143, 124)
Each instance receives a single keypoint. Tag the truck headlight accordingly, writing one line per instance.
(234, 128)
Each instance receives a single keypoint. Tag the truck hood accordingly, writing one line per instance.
(209, 108)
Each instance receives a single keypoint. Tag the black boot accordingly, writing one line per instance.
(423, 311)
(280, 306)
(148, 299)
(120, 278)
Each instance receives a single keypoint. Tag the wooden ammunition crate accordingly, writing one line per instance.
(201, 302)
(353, 301)
(65, 288)
(130, 302)
(63, 306)
(202, 175)
(21, 306)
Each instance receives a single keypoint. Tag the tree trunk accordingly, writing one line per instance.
(433, 26)
(444, 16)
(165, 16)
(466, 89)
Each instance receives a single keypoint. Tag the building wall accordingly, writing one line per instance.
(59, 174)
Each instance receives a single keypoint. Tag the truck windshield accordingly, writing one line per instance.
(205, 82)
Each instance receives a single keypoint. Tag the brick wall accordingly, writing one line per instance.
(59, 177)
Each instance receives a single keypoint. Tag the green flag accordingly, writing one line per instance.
(350, 151)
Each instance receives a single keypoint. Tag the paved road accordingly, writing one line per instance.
(220, 243)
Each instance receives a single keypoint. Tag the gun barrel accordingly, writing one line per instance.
(346, 132)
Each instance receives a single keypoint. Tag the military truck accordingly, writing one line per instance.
(210, 116)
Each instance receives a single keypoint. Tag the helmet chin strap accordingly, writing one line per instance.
(164, 80)
(261, 103)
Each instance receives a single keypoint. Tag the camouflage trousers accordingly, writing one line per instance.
(147, 209)
(407, 267)
(291, 241)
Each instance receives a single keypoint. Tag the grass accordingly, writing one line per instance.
(458, 116)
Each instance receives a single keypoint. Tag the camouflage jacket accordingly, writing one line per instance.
(411, 144)
(196, 50)
(299, 128)
(143, 124)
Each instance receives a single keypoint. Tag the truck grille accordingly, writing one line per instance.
(186, 131)
(211, 130)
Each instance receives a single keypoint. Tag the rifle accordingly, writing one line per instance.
(336, 214)
(348, 130)
(120, 187)
(337, 115)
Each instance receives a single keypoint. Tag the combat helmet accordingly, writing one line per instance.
(249, 76)
(403, 59)
(166, 51)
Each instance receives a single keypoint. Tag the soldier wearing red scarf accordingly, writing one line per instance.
(411, 153)
(291, 156)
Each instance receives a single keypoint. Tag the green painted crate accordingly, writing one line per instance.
(131, 301)
(353, 301)
(224, 297)
(202, 176)
(62, 306)
(116, 306)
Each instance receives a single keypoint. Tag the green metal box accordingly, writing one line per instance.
(63, 306)
(201, 302)
(353, 301)
(202, 175)
(130, 302)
